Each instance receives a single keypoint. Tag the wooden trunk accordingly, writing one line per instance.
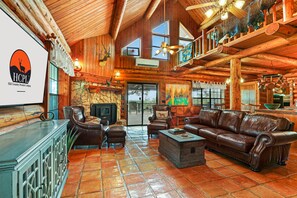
(182, 153)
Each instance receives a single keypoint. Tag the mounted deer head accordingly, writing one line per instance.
(106, 55)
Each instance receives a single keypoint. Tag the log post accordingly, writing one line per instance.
(288, 9)
(235, 93)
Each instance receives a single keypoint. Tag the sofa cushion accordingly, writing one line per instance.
(194, 128)
(238, 142)
(212, 133)
(253, 125)
(230, 120)
(209, 117)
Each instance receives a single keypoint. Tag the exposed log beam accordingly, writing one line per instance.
(250, 70)
(118, 18)
(281, 59)
(280, 30)
(22, 11)
(224, 74)
(151, 9)
(50, 20)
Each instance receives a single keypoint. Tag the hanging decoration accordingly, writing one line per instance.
(208, 85)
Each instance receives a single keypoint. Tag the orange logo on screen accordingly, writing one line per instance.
(20, 67)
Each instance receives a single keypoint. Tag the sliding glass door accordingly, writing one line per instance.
(141, 98)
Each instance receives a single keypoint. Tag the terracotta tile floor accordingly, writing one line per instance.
(139, 171)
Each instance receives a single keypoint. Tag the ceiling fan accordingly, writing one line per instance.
(221, 9)
(164, 48)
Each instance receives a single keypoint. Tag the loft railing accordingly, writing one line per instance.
(207, 41)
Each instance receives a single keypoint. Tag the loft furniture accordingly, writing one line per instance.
(33, 160)
(92, 132)
(116, 134)
(256, 140)
(160, 120)
(182, 151)
(106, 111)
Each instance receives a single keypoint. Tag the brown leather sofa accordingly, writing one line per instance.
(256, 140)
(93, 130)
(160, 120)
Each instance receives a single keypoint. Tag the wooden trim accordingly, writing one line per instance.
(151, 9)
(118, 17)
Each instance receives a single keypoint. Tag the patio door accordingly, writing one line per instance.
(141, 98)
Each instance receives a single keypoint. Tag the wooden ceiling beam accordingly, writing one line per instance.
(272, 57)
(118, 18)
(151, 9)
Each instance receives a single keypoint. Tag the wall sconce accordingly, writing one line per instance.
(228, 81)
(77, 65)
(117, 74)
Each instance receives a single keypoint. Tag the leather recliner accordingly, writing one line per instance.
(93, 131)
(160, 120)
(254, 139)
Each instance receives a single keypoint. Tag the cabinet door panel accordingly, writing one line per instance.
(60, 160)
(47, 169)
(29, 178)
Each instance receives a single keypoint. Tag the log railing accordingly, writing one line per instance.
(207, 42)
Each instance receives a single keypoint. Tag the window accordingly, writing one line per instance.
(53, 91)
(186, 39)
(160, 34)
(132, 49)
(206, 98)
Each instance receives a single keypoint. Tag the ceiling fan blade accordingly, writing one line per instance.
(210, 22)
(200, 5)
(175, 47)
(216, 10)
(239, 13)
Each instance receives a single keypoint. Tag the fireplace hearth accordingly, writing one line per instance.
(105, 110)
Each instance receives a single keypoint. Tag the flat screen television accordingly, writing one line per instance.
(23, 65)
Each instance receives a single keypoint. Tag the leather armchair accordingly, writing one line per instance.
(159, 109)
(93, 131)
(160, 120)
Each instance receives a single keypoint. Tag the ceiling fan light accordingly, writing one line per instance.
(239, 4)
(209, 13)
(158, 52)
(164, 50)
(222, 2)
(171, 52)
(224, 16)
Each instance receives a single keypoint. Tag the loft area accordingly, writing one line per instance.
(148, 98)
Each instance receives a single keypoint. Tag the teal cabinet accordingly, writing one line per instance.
(33, 160)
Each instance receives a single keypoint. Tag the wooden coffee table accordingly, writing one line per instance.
(182, 151)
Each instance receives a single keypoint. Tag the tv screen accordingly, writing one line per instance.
(23, 65)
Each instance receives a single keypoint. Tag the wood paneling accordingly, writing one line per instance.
(143, 29)
(134, 12)
(90, 50)
(80, 19)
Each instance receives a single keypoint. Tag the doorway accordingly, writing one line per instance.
(140, 101)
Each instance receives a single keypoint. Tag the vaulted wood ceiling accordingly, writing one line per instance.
(79, 19)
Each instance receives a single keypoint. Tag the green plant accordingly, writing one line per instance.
(72, 135)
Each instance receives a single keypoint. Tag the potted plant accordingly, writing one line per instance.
(72, 135)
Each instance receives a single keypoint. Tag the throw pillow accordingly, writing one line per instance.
(162, 115)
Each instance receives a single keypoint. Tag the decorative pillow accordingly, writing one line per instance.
(162, 115)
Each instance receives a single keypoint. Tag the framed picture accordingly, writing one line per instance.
(177, 94)
(132, 51)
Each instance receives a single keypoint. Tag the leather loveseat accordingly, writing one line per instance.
(93, 130)
(256, 140)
